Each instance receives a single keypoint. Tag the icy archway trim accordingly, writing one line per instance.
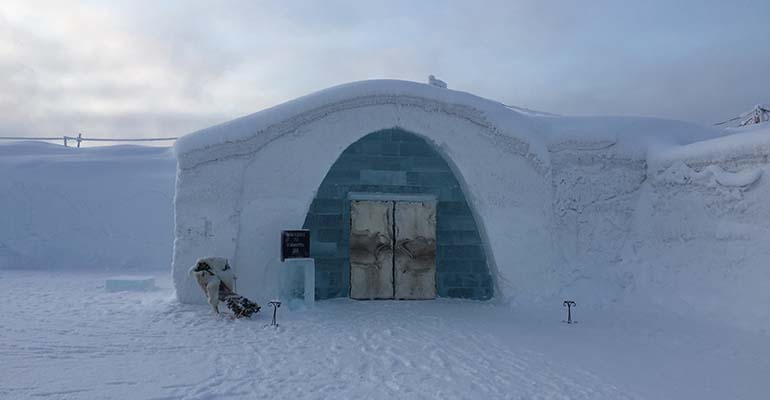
(190, 155)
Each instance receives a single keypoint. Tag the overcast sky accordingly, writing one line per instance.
(140, 69)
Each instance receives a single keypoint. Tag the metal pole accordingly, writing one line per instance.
(275, 304)
(569, 304)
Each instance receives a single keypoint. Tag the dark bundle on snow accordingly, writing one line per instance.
(216, 278)
(239, 305)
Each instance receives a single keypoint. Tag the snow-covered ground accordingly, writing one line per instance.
(65, 337)
(668, 264)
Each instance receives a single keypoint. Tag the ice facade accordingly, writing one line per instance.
(601, 209)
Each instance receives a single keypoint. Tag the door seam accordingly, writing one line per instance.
(393, 256)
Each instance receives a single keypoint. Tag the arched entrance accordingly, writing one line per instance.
(390, 220)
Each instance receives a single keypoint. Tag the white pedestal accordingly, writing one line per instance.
(298, 280)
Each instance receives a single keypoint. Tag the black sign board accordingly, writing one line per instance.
(295, 244)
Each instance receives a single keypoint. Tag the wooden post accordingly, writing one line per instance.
(65, 141)
(80, 139)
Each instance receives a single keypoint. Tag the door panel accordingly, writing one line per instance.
(415, 259)
(371, 249)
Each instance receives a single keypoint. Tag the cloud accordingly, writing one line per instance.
(168, 68)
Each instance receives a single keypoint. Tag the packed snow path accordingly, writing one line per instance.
(65, 337)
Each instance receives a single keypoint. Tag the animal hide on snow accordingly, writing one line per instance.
(215, 277)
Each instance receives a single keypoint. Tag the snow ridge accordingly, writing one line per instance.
(711, 176)
(190, 157)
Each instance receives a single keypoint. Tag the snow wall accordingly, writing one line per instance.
(100, 208)
(631, 211)
(702, 229)
(235, 201)
(685, 228)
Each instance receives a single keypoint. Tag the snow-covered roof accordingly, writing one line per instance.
(247, 134)
(541, 132)
(751, 142)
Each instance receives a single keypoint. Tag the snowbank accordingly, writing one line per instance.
(630, 137)
(101, 208)
(699, 242)
(685, 229)
(739, 147)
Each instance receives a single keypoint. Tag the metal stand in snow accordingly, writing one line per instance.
(569, 304)
(275, 304)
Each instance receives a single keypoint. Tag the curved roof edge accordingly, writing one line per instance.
(247, 134)
(529, 134)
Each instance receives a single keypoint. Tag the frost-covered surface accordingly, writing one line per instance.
(635, 137)
(530, 131)
(73, 340)
(102, 208)
(601, 209)
(699, 243)
(662, 239)
(743, 146)
(252, 133)
(689, 239)
(235, 207)
(129, 283)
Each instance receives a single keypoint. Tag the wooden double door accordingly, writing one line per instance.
(392, 249)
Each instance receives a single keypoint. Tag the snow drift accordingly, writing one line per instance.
(101, 208)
